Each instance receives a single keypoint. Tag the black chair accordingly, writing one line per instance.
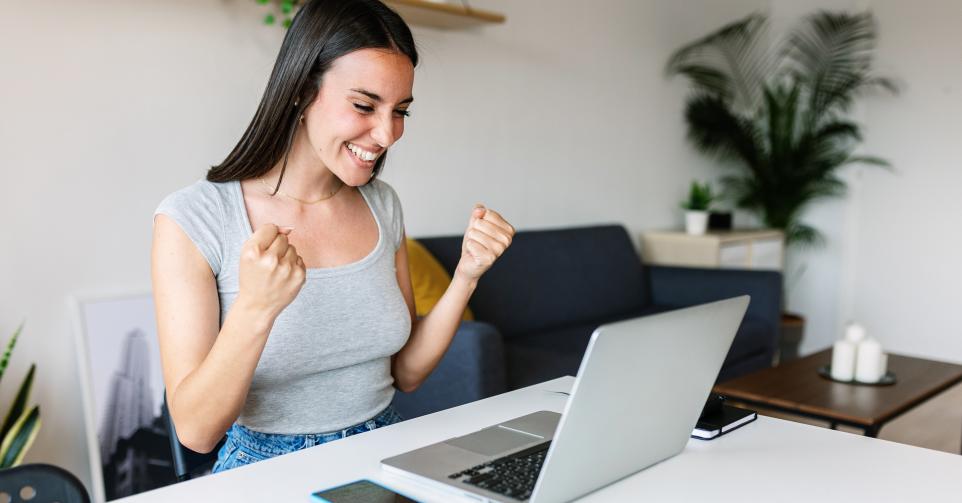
(187, 463)
(41, 483)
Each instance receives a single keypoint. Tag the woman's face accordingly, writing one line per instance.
(359, 111)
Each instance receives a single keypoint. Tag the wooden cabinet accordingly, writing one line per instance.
(739, 249)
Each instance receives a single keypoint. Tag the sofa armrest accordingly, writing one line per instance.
(471, 369)
(687, 286)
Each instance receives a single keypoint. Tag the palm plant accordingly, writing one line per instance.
(780, 114)
(21, 425)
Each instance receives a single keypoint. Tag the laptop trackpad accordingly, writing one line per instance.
(493, 441)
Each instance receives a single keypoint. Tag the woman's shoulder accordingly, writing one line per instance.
(200, 191)
(200, 197)
(200, 210)
(201, 203)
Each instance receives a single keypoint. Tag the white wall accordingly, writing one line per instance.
(908, 274)
(890, 258)
(562, 116)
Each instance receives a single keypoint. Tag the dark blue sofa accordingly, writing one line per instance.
(543, 298)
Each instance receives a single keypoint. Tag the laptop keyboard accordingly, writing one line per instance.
(513, 475)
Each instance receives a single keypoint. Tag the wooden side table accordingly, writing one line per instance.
(796, 388)
(739, 249)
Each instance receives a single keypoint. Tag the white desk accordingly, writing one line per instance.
(767, 460)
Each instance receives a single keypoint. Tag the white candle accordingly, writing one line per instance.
(843, 361)
(855, 333)
(868, 362)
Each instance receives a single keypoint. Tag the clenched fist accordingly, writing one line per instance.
(271, 271)
(486, 238)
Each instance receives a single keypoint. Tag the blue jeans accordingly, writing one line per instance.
(245, 446)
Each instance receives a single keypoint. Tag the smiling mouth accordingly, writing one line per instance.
(360, 153)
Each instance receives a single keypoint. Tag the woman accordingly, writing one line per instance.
(284, 306)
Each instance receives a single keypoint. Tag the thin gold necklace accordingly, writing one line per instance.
(302, 201)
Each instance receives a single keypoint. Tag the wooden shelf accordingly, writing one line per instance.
(443, 15)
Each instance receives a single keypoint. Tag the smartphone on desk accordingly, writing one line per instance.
(360, 491)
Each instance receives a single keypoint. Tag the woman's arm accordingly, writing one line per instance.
(208, 369)
(486, 238)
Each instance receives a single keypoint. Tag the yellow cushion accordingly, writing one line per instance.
(428, 278)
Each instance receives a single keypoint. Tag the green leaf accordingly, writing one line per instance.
(729, 63)
(19, 403)
(21, 436)
(708, 80)
(804, 236)
(867, 159)
(832, 54)
(700, 197)
(269, 19)
(10, 345)
(715, 130)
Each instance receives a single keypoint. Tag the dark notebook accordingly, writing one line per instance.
(718, 419)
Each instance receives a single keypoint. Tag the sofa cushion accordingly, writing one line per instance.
(428, 279)
(754, 335)
(531, 360)
(539, 357)
(471, 369)
(548, 355)
(555, 278)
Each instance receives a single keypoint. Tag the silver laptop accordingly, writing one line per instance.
(640, 389)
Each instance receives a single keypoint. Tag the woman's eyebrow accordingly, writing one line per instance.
(377, 99)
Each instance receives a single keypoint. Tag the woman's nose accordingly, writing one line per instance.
(384, 132)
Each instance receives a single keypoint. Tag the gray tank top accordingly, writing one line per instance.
(327, 362)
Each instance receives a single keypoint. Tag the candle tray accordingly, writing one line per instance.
(887, 380)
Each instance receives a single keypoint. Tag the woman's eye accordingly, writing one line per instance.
(402, 113)
(363, 108)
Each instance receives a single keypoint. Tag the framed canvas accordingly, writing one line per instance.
(123, 391)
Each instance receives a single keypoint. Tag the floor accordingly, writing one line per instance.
(936, 424)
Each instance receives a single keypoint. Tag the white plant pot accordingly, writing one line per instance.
(696, 222)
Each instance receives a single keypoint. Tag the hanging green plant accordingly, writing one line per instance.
(281, 9)
(21, 425)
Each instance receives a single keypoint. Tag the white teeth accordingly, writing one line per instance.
(361, 154)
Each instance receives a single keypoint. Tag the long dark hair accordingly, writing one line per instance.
(322, 31)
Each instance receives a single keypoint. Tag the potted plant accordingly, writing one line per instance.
(778, 116)
(21, 425)
(696, 207)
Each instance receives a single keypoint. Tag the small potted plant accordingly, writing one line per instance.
(696, 207)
